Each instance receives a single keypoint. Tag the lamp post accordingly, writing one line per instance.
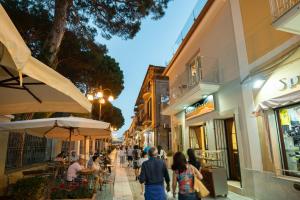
(100, 96)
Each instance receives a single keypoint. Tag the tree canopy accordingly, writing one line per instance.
(108, 113)
(86, 63)
(86, 18)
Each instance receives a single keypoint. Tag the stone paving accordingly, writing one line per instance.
(127, 188)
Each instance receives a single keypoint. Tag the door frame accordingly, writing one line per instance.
(229, 151)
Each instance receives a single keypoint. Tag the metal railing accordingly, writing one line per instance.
(208, 72)
(280, 7)
(24, 150)
(189, 23)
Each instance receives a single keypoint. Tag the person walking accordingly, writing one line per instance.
(122, 154)
(161, 153)
(184, 174)
(143, 159)
(153, 174)
(192, 159)
(130, 156)
(136, 154)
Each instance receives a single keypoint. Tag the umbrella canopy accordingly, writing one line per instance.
(12, 47)
(61, 128)
(26, 84)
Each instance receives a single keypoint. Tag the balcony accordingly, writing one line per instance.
(286, 15)
(189, 87)
(147, 120)
(147, 94)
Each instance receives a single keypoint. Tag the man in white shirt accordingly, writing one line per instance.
(74, 169)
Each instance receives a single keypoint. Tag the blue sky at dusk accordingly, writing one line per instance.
(152, 45)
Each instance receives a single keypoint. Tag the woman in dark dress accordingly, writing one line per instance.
(192, 159)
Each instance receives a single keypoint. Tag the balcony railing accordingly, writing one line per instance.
(208, 72)
(280, 7)
(187, 26)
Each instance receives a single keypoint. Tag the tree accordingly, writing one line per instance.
(109, 113)
(109, 17)
(112, 17)
(86, 63)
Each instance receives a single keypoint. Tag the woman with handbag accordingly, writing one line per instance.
(184, 174)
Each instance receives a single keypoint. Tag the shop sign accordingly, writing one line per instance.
(201, 107)
(288, 83)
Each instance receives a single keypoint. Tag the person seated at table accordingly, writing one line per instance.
(90, 162)
(97, 170)
(73, 169)
(60, 157)
(74, 156)
(106, 162)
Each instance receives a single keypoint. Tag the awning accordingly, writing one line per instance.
(282, 87)
(279, 101)
(61, 128)
(26, 84)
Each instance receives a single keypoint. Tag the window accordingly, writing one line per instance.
(24, 149)
(289, 123)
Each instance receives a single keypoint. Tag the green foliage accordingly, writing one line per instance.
(88, 65)
(29, 189)
(80, 192)
(109, 113)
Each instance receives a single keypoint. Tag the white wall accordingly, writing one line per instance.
(208, 41)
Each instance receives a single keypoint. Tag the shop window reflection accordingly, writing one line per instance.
(289, 120)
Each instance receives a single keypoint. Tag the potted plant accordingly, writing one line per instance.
(73, 191)
(30, 189)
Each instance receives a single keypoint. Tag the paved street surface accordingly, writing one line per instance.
(126, 188)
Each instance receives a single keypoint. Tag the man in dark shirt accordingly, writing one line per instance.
(153, 173)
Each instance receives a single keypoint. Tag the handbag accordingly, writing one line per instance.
(200, 188)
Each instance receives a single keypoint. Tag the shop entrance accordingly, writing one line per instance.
(232, 150)
(198, 139)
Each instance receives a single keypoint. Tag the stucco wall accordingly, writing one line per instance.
(260, 36)
(208, 42)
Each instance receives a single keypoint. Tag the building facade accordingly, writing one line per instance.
(233, 97)
(149, 126)
(269, 68)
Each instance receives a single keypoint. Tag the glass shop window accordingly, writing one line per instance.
(289, 123)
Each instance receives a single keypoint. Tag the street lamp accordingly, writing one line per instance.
(100, 96)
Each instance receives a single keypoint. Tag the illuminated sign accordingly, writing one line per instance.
(201, 107)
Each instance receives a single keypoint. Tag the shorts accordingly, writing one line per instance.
(130, 158)
(122, 159)
(188, 196)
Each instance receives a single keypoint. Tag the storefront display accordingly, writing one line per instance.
(289, 121)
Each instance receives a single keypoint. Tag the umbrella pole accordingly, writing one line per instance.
(70, 145)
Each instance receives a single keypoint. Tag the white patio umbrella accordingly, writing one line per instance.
(26, 84)
(62, 128)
